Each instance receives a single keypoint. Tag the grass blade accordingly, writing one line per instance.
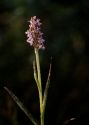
(21, 106)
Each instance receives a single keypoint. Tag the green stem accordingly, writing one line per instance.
(38, 66)
(40, 86)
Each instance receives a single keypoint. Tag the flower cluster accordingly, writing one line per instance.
(34, 34)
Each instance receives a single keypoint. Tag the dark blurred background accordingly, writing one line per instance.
(66, 34)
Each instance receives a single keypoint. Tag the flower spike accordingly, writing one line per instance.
(34, 34)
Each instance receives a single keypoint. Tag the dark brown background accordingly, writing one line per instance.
(66, 34)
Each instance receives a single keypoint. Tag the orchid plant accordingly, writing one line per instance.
(35, 39)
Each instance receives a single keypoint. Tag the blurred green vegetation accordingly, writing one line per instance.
(66, 33)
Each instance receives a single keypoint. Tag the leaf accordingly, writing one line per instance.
(21, 106)
(46, 88)
(35, 74)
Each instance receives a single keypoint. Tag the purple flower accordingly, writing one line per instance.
(34, 34)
